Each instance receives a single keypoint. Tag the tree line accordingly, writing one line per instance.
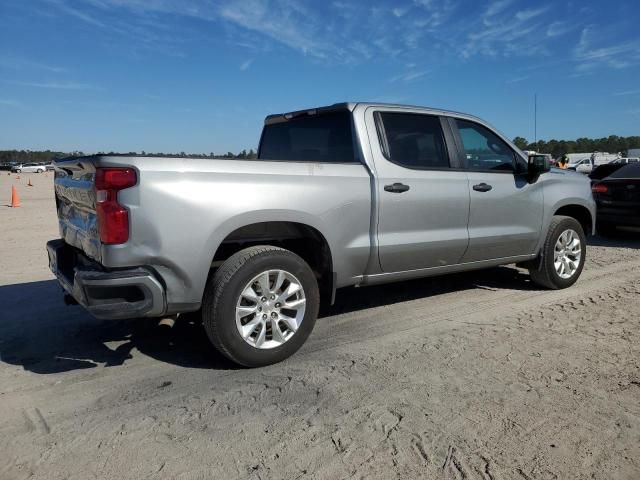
(557, 148)
(30, 156)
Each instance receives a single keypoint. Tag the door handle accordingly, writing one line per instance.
(396, 188)
(482, 187)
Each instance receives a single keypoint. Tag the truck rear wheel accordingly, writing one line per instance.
(260, 306)
(563, 254)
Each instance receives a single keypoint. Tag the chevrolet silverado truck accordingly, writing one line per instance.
(352, 194)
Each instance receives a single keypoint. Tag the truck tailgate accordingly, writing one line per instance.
(76, 204)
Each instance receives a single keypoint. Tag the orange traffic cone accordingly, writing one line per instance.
(15, 198)
(29, 184)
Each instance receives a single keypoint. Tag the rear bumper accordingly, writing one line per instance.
(127, 293)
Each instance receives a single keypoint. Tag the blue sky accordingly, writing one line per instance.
(200, 75)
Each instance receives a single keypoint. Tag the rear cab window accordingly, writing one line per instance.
(324, 137)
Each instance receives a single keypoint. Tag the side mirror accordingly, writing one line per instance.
(538, 164)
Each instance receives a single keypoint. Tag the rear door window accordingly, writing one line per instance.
(326, 137)
(413, 140)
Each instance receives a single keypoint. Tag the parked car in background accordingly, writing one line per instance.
(574, 159)
(633, 152)
(596, 159)
(617, 199)
(350, 194)
(626, 160)
(603, 171)
(29, 168)
(577, 163)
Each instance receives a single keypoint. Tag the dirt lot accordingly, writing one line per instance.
(469, 376)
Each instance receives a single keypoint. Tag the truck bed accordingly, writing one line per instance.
(182, 209)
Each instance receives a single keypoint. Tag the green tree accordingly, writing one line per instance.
(521, 143)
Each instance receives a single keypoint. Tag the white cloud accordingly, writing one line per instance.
(246, 65)
(504, 31)
(82, 15)
(525, 15)
(409, 76)
(10, 103)
(518, 79)
(346, 32)
(19, 63)
(496, 7)
(282, 21)
(557, 28)
(399, 12)
(589, 56)
(627, 92)
(58, 85)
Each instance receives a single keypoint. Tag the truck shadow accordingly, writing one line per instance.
(42, 335)
(353, 299)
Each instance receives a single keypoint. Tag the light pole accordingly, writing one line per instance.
(535, 120)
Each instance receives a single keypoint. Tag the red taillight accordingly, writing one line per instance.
(599, 188)
(113, 218)
(115, 178)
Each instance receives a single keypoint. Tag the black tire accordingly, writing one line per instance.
(606, 229)
(544, 274)
(223, 290)
(40, 171)
(18, 171)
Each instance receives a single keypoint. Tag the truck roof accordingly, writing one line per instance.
(350, 106)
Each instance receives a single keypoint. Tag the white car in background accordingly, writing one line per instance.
(29, 168)
(626, 160)
(587, 165)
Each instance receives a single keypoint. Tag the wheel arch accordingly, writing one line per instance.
(301, 237)
(580, 213)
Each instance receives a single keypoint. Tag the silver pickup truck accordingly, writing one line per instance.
(350, 194)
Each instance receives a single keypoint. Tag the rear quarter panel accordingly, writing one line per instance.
(182, 209)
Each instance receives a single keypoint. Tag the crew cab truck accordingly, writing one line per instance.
(349, 194)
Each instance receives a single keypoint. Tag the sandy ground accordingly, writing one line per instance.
(478, 375)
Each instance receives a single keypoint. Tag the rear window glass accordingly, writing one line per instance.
(319, 138)
(631, 170)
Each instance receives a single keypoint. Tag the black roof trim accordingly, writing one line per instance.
(285, 117)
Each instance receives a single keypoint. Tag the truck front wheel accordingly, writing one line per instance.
(260, 306)
(562, 255)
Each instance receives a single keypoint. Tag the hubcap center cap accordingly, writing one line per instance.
(268, 307)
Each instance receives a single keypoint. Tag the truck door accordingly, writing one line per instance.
(505, 215)
(423, 195)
